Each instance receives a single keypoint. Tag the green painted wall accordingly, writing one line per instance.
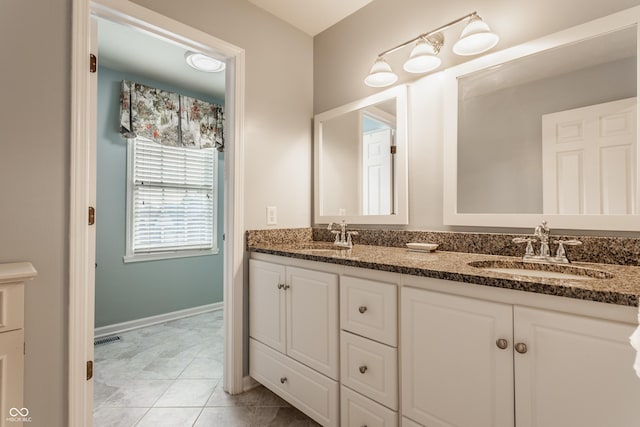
(140, 289)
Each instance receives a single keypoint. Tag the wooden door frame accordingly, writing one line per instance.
(83, 190)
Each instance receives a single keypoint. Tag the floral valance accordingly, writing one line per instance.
(168, 118)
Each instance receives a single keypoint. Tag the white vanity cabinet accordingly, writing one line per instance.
(553, 369)
(368, 352)
(453, 373)
(577, 371)
(293, 330)
(12, 278)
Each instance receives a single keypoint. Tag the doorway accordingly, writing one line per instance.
(83, 191)
(159, 251)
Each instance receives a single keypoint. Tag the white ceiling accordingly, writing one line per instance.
(126, 49)
(311, 16)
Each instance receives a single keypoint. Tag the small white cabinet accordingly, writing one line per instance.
(576, 372)
(368, 352)
(295, 311)
(12, 278)
(294, 336)
(552, 369)
(453, 373)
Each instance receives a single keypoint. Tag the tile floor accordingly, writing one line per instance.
(169, 375)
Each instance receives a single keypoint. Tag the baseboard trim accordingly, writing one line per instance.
(130, 325)
(248, 383)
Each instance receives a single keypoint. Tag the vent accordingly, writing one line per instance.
(106, 340)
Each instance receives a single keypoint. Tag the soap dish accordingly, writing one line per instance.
(422, 247)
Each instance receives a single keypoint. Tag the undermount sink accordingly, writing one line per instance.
(551, 271)
(320, 247)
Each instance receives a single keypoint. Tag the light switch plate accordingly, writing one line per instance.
(272, 215)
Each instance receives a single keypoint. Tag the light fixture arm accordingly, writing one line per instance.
(427, 34)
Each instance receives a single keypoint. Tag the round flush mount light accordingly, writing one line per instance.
(203, 62)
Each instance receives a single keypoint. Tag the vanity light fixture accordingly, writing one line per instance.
(476, 38)
(380, 74)
(203, 62)
(424, 56)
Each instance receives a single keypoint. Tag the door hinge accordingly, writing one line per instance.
(89, 369)
(92, 215)
(93, 63)
(393, 149)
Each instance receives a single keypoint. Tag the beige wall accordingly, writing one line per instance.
(34, 154)
(279, 75)
(34, 182)
(344, 53)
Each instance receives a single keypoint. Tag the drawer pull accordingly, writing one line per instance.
(521, 348)
(502, 343)
(362, 309)
(363, 369)
(283, 380)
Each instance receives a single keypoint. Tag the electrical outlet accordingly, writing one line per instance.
(272, 215)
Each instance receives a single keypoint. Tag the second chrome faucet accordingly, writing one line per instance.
(542, 234)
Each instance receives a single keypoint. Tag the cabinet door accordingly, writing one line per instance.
(453, 373)
(577, 371)
(267, 312)
(11, 374)
(312, 319)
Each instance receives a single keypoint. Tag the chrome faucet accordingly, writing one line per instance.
(343, 237)
(542, 234)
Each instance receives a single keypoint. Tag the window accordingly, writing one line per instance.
(171, 201)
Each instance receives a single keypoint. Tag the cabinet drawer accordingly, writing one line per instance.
(406, 422)
(311, 392)
(368, 308)
(358, 411)
(370, 368)
(11, 307)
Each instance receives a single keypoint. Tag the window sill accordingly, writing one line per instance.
(168, 255)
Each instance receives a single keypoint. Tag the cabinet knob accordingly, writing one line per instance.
(363, 369)
(521, 348)
(502, 343)
(280, 285)
(362, 309)
(283, 380)
(285, 286)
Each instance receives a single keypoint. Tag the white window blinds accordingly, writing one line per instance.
(173, 198)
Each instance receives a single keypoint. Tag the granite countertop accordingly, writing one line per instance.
(613, 284)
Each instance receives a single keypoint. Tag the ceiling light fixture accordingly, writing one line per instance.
(476, 38)
(203, 62)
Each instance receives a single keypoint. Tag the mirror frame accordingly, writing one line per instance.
(616, 21)
(399, 93)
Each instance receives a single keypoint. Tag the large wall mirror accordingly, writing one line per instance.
(547, 130)
(361, 161)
